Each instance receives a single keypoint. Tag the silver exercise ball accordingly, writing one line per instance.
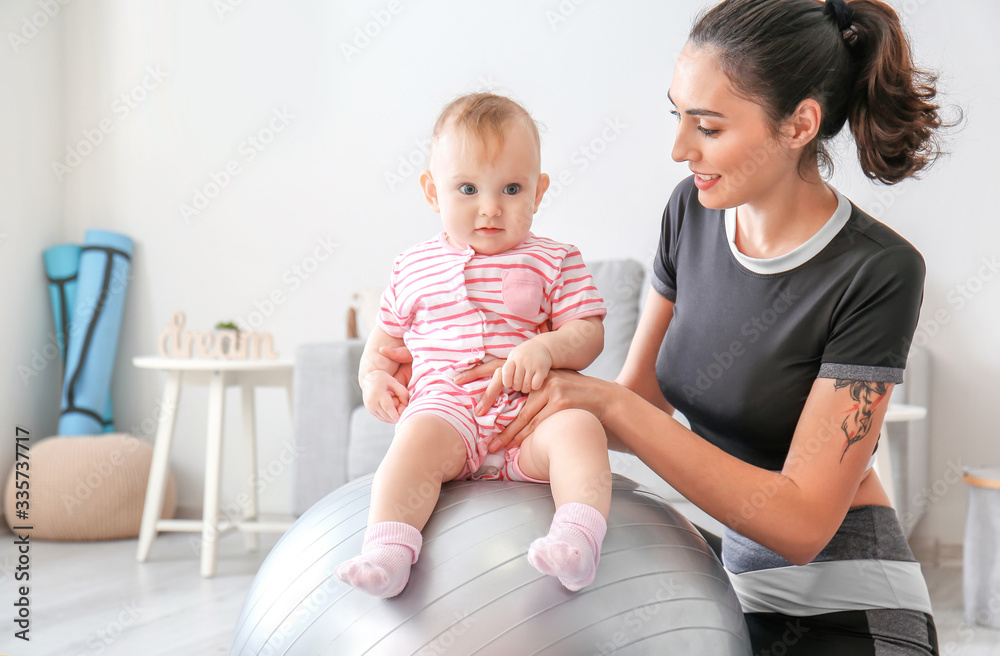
(659, 587)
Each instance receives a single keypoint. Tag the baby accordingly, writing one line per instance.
(484, 289)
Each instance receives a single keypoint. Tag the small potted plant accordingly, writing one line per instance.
(229, 341)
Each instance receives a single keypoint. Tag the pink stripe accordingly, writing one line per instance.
(453, 316)
(439, 349)
(432, 399)
(562, 298)
(575, 305)
(548, 280)
(410, 289)
(558, 250)
(596, 312)
(587, 279)
(470, 426)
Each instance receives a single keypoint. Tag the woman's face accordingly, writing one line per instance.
(725, 138)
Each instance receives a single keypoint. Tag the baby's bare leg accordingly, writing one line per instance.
(426, 451)
(570, 450)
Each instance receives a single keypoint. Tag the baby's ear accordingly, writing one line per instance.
(430, 190)
(543, 185)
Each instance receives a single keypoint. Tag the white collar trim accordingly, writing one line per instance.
(799, 255)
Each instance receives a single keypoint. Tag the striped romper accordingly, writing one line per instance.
(455, 308)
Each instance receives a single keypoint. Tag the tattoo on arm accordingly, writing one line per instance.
(859, 417)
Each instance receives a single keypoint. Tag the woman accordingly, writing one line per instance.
(799, 305)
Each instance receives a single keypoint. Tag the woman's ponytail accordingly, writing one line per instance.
(891, 109)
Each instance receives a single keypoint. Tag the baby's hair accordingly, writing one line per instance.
(780, 52)
(484, 116)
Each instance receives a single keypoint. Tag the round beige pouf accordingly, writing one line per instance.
(85, 488)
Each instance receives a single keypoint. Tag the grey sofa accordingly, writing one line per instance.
(340, 441)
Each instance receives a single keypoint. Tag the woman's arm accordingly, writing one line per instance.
(639, 371)
(794, 512)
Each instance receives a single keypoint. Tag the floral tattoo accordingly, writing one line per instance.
(858, 423)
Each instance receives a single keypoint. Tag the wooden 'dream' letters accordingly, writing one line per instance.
(224, 344)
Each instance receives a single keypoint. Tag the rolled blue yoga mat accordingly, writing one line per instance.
(62, 264)
(95, 324)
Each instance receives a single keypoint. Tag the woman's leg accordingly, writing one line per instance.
(570, 450)
(425, 451)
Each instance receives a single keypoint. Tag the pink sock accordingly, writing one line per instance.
(572, 548)
(383, 568)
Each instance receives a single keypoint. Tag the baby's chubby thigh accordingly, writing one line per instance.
(570, 449)
(435, 434)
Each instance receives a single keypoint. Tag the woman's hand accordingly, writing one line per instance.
(563, 389)
(402, 356)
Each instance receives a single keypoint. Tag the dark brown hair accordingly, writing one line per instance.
(778, 53)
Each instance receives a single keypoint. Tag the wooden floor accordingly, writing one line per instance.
(94, 599)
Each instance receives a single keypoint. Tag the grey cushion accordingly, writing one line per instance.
(370, 440)
(621, 283)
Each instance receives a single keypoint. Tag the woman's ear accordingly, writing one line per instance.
(430, 190)
(804, 123)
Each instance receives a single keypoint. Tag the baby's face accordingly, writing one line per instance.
(486, 203)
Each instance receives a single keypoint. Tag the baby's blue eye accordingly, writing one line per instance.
(467, 189)
(512, 189)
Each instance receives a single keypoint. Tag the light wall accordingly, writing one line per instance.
(345, 95)
(31, 124)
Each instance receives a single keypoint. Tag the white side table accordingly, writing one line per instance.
(897, 412)
(217, 375)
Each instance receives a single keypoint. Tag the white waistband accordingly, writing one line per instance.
(833, 586)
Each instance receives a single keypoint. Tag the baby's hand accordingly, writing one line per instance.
(526, 367)
(384, 396)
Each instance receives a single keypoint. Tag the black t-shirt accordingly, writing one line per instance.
(749, 337)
